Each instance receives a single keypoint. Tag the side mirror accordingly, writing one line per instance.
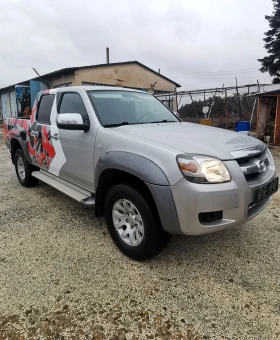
(72, 121)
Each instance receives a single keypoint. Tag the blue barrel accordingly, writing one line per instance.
(243, 126)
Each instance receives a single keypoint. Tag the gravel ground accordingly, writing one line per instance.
(61, 277)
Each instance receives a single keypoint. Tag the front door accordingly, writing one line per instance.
(77, 146)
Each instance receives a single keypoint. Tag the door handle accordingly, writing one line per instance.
(55, 136)
(34, 133)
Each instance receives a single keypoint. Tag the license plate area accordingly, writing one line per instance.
(270, 188)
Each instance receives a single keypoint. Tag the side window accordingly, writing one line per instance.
(45, 108)
(72, 103)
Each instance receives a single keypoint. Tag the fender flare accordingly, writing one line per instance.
(152, 175)
(139, 166)
(24, 147)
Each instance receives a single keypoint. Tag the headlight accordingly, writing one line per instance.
(203, 169)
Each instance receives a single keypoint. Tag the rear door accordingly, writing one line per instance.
(40, 145)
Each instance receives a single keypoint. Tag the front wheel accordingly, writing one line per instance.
(24, 170)
(132, 223)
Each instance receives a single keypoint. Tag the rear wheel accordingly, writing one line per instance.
(24, 170)
(133, 224)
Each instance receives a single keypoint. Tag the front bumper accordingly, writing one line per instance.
(233, 199)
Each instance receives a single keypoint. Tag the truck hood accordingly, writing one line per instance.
(193, 138)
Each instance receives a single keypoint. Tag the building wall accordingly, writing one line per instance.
(62, 79)
(6, 105)
(266, 113)
(265, 105)
(13, 104)
(277, 123)
(129, 75)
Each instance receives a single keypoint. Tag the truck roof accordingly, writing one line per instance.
(95, 88)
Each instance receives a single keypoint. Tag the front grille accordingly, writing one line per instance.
(254, 165)
(251, 177)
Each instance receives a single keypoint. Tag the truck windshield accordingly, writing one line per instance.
(115, 108)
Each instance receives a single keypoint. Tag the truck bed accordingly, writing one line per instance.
(14, 127)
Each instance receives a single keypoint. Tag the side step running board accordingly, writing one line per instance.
(83, 196)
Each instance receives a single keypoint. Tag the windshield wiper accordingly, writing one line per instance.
(163, 121)
(116, 124)
(136, 123)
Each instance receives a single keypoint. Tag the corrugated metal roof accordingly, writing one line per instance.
(269, 93)
(69, 69)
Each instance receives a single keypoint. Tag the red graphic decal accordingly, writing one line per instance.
(46, 143)
(31, 150)
(6, 132)
(24, 124)
(40, 148)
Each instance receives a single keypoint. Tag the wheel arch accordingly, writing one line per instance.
(110, 177)
(145, 176)
(139, 166)
(17, 144)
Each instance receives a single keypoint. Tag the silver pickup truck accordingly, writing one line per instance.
(147, 172)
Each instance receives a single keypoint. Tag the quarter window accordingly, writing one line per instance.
(45, 108)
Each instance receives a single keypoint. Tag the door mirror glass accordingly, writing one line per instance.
(72, 121)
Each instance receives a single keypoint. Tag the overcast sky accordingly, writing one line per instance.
(198, 44)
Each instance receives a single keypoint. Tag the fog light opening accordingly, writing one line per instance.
(211, 216)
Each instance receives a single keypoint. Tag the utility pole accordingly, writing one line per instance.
(107, 55)
(259, 89)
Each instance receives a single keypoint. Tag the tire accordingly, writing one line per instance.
(24, 170)
(153, 239)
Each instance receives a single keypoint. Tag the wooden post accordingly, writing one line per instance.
(194, 108)
(261, 117)
(240, 109)
(257, 118)
(226, 113)
(174, 104)
(276, 140)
